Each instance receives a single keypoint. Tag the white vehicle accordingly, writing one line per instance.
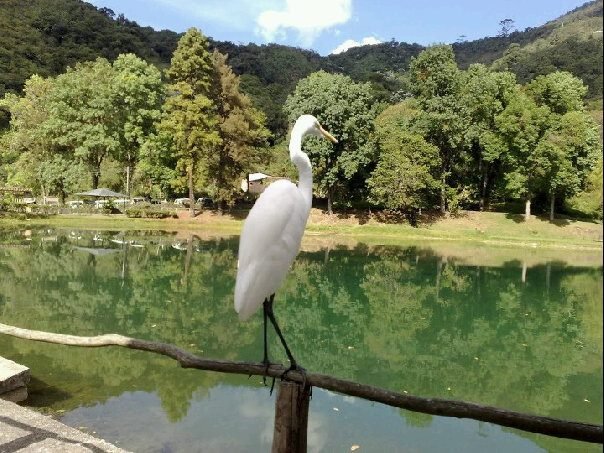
(28, 200)
(121, 202)
(74, 204)
(100, 203)
(182, 202)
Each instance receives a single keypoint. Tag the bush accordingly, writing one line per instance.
(110, 208)
(148, 211)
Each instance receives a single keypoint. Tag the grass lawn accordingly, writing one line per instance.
(478, 227)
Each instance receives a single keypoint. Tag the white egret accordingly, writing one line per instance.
(272, 233)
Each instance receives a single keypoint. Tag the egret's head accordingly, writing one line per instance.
(309, 125)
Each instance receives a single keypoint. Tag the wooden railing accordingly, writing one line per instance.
(293, 396)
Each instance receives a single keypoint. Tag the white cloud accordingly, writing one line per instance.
(349, 43)
(306, 17)
(235, 14)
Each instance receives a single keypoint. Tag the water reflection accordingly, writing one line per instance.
(504, 328)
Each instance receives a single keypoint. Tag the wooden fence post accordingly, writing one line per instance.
(291, 418)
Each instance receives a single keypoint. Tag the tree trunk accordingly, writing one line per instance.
(552, 204)
(95, 178)
(485, 183)
(291, 418)
(188, 256)
(128, 180)
(191, 194)
(329, 200)
(527, 208)
(62, 196)
(443, 194)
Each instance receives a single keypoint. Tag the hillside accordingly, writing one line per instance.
(572, 42)
(46, 36)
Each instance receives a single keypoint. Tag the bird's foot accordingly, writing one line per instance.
(267, 364)
(295, 367)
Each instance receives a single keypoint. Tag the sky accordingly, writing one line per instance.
(332, 26)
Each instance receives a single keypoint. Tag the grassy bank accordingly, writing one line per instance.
(487, 228)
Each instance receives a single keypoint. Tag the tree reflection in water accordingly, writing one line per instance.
(406, 318)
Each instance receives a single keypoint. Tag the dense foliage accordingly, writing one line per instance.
(446, 137)
(46, 36)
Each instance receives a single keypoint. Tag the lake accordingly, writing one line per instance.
(519, 329)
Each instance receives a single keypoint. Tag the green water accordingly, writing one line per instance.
(425, 320)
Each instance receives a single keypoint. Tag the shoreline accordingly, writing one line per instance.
(477, 228)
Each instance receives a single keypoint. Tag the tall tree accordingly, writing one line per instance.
(404, 176)
(568, 150)
(138, 93)
(522, 125)
(561, 91)
(189, 122)
(242, 135)
(346, 109)
(444, 120)
(485, 95)
(507, 26)
(31, 158)
(566, 155)
(83, 116)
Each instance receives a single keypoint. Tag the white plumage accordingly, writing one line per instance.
(269, 243)
(273, 230)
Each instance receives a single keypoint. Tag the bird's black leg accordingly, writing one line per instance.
(271, 317)
(265, 360)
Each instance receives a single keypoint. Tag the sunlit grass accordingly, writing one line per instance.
(486, 227)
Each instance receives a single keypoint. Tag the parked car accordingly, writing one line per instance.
(74, 204)
(100, 203)
(121, 202)
(136, 200)
(28, 200)
(182, 202)
(205, 202)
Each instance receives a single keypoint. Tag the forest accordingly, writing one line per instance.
(101, 101)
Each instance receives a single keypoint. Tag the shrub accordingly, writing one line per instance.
(149, 212)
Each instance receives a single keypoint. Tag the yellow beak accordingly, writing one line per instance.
(327, 135)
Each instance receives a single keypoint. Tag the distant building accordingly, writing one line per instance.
(257, 182)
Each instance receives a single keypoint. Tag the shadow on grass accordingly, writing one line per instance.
(518, 218)
(559, 222)
(391, 217)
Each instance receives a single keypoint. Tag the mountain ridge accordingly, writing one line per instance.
(46, 36)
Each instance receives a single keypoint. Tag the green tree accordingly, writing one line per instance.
(189, 122)
(83, 117)
(404, 176)
(589, 201)
(31, 159)
(561, 91)
(25, 140)
(566, 155)
(346, 109)
(138, 96)
(522, 125)
(436, 82)
(242, 135)
(485, 95)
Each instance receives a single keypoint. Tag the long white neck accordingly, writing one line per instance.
(302, 162)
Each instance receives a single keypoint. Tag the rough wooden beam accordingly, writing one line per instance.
(586, 432)
(291, 418)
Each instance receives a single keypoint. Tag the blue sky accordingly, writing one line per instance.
(333, 25)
